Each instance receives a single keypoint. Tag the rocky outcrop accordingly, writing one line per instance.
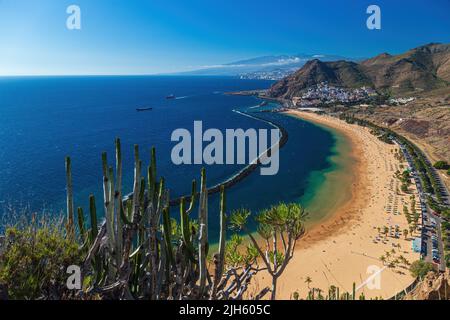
(432, 287)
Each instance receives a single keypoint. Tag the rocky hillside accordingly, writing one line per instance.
(425, 121)
(432, 287)
(420, 69)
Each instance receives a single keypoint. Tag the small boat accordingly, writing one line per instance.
(262, 104)
(171, 96)
(143, 109)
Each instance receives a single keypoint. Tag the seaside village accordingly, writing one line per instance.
(325, 94)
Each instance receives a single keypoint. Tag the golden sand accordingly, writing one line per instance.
(346, 248)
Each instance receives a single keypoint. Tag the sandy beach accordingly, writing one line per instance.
(350, 246)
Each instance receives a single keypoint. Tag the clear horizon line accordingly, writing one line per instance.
(106, 75)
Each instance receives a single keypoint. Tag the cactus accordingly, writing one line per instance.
(70, 228)
(141, 256)
(107, 201)
(167, 229)
(220, 256)
(184, 221)
(93, 215)
(119, 202)
(81, 227)
(203, 232)
(136, 185)
(354, 291)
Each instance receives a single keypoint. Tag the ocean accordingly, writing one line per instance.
(43, 119)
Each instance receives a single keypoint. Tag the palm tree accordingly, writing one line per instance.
(405, 233)
(308, 281)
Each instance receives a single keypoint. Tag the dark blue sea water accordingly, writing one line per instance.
(43, 119)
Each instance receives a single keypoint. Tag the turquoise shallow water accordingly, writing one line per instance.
(45, 119)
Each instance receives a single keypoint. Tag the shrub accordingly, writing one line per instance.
(34, 262)
(441, 165)
(420, 268)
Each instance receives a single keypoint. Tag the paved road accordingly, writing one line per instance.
(427, 216)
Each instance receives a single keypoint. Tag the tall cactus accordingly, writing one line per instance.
(136, 185)
(141, 257)
(354, 291)
(70, 228)
(203, 234)
(107, 201)
(184, 221)
(118, 199)
(220, 256)
(93, 216)
(81, 226)
(167, 229)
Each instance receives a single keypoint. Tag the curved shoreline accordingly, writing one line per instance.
(330, 188)
(243, 173)
(343, 248)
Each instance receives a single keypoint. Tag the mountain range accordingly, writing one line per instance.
(275, 66)
(420, 69)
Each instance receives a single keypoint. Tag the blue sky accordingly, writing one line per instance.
(163, 36)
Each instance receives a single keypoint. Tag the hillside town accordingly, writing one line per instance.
(274, 75)
(325, 94)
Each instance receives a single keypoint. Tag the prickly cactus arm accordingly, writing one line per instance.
(106, 196)
(203, 234)
(154, 247)
(110, 212)
(193, 196)
(167, 229)
(152, 190)
(184, 221)
(70, 207)
(220, 258)
(81, 224)
(123, 215)
(354, 291)
(137, 180)
(159, 203)
(118, 169)
(185, 230)
(129, 210)
(105, 180)
(118, 198)
(93, 214)
(142, 193)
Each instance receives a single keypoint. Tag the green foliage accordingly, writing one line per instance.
(441, 165)
(282, 218)
(236, 254)
(238, 219)
(420, 268)
(35, 261)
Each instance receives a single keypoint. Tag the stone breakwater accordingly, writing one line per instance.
(242, 174)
